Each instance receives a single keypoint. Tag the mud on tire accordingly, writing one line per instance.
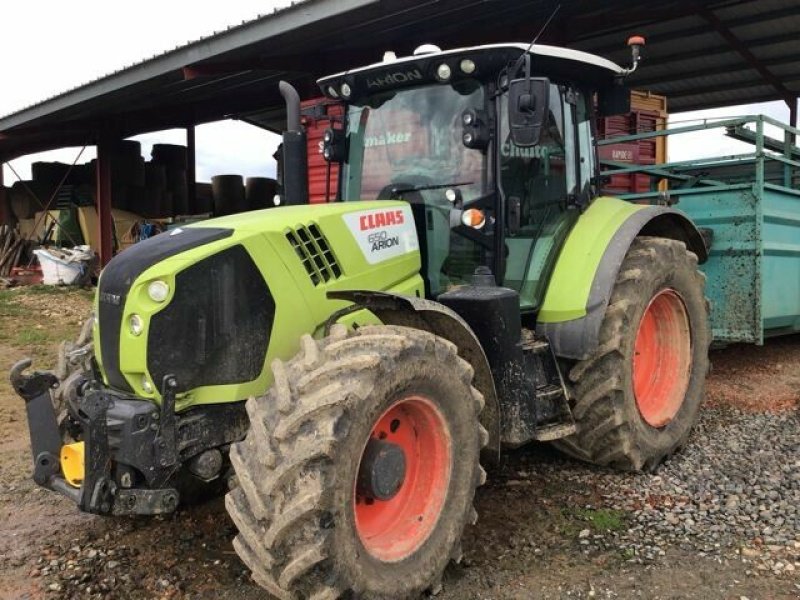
(294, 506)
(611, 428)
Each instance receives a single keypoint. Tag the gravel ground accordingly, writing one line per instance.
(733, 492)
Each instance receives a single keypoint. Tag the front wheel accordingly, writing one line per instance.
(360, 467)
(636, 398)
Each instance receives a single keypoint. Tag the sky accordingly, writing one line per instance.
(55, 45)
(50, 46)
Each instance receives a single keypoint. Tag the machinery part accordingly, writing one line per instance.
(636, 398)
(207, 465)
(427, 315)
(42, 425)
(125, 443)
(72, 460)
(303, 528)
(587, 267)
(383, 465)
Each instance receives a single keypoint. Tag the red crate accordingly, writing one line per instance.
(317, 115)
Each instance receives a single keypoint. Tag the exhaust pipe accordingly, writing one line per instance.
(292, 99)
(293, 172)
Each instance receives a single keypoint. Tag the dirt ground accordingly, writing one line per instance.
(526, 543)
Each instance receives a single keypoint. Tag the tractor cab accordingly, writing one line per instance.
(492, 146)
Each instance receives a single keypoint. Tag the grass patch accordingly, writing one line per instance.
(58, 290)
(601, 519)
(33, 337)
(8, 307)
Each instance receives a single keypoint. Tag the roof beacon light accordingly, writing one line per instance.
(389, 56)
(635, 43)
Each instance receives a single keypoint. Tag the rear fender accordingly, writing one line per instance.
(427, 315)
(587, 267)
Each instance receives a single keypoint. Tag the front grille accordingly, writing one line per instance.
(121, 273)
(216, 328)
(315, 253)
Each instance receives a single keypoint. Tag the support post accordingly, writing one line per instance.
(191, 168)
(5, 209)
(105, 224)
(790, 141)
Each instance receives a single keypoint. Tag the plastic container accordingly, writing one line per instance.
(65, 267)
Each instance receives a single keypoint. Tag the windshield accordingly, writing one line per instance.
(407, 144)
(411, 138)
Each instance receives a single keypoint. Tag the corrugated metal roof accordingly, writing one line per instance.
(235, 72)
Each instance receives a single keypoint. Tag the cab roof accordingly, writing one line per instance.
(489, 60)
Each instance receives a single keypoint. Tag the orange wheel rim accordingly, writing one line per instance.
(390, 530)
(662, 358)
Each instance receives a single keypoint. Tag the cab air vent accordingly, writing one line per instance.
(315, 253)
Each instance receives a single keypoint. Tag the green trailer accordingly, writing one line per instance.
(748, 207)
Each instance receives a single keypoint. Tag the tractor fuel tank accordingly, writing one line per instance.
(493, 314)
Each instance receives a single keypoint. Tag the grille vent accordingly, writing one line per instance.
(315, 253)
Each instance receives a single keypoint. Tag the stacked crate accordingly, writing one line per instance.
(648, 113)
(317, 115)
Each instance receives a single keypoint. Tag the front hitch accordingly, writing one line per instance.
(43, 426)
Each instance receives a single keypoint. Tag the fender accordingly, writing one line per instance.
(587, 267)
(408, 311)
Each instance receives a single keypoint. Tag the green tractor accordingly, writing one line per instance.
(345, 367)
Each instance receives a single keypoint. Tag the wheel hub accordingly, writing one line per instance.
(382, 471)
(662, 358)
(402, 479)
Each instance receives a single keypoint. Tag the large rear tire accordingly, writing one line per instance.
(307, 527)
(636, 398)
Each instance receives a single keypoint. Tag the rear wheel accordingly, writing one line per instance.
(637, 397)
(359, 470)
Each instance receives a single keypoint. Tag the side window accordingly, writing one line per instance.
(539, 176)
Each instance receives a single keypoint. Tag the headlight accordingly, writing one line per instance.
(467, 66)
(136, 324)
(158, 290)
(443, 72)
(346, 91)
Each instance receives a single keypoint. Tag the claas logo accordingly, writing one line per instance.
(381, 219)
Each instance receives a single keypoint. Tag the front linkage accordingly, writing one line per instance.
(133, 450)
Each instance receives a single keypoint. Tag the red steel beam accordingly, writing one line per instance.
(105, 223)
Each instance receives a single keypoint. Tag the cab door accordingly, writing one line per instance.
(543, 187)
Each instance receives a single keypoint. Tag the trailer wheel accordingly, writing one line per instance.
(637, 397)
(358, 473)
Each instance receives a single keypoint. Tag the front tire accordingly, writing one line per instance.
(636, 398)
(307, 527)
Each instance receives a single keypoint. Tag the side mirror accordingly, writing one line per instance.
(528, 109)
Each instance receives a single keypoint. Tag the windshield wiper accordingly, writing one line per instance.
(422, 188)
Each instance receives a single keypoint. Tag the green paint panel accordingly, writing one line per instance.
(301, 305)
(568, 291)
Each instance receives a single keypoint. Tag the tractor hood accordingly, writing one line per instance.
(212, 303)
